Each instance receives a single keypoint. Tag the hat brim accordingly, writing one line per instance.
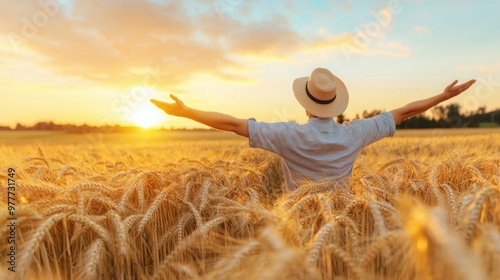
(333, 109)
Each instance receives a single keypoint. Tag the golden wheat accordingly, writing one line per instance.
(90, 262)
(219, 211)
(33, 244)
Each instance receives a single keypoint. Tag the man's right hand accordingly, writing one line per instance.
(176, 109)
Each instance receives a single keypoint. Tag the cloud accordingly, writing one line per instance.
(421, 29)
(392, 49)
(140, 42)
(368, 38)
(349, 44)
(346, 5)
(481, 68)
(108, 43)
(331, 42)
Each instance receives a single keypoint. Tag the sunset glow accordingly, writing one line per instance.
(145, 117)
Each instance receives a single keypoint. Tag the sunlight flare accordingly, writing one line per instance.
(146, 117)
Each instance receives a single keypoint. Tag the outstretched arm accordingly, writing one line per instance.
(421, 106)
(212, 119)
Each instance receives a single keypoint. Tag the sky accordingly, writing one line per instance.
(99, 62)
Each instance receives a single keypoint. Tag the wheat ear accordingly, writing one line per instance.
(319, 240)
(186, 270)
(91, 260)
(204, 195)
(378, 218)
(433, 175)
(121, 240)
(224, 266)
(28, 159)
(99, 230)
(185, 243)
(306, 201)
(389, 163)
(187, 191)
(450, 195)
(131, 220)
(478, 174)
(349, 262)
(379, 244)
(68, 209)
(475, 212)
(34, 242)
(196, 213)
(152, 209)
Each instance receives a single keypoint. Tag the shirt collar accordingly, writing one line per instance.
(321, 120)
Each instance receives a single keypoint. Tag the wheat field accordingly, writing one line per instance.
(416, 208)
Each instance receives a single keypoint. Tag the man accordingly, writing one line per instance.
(321, 149)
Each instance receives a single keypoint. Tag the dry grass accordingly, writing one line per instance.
(416, 208)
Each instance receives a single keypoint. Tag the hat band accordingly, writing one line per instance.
(319, 101)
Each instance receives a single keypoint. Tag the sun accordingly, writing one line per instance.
(146, 117)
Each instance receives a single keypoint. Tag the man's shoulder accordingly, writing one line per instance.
(288, 124)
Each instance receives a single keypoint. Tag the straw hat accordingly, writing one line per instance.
(322, 94)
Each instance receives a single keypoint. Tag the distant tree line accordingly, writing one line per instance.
(450, 116)
(72, 128)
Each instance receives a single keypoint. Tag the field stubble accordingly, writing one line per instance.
(416, 208)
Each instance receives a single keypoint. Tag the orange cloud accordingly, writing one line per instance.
(109, 43)
(350, 45)
(139, 43)
(366, 39)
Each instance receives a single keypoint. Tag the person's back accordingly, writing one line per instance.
(321, 150)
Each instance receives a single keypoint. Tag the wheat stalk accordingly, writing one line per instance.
(450, 196)
(93, 257)
(42, 159)
(319, 240)
(350, 263)
(224, 266)
(68, 209)
(378, 218)
(131, 220)
(99, 230)
(187, 191)
(433, 177)
(304, 202)
(185, 269)
(185, 243)
(140, 191)
(37, 188)
(164, 239)
(121, 233)
(34, 242)
(204, 195)
(225, 217)
(478, 174)
(95, 187)
(470, 225)
(389, 163)
(382, 242)
(196, 213)
(152, 209)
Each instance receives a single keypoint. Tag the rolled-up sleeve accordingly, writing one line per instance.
(376, 128)
(267, 136)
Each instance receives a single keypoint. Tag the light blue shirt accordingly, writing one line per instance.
(321, 149)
